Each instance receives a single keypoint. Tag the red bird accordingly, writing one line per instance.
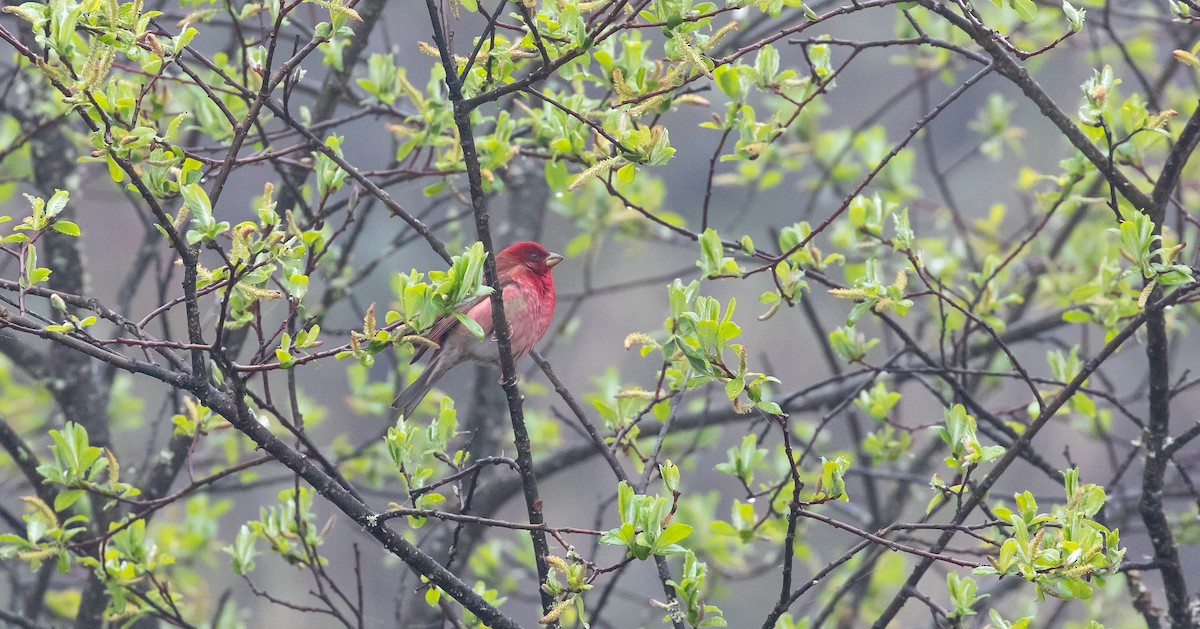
(523, 271)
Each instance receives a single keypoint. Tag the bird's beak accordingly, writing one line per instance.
(553, 259)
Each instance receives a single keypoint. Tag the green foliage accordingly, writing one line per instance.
(205, 227)
(46, 537)
(599, 102)
(743, 460)
(418, 451)
(998, 621)
(305, 340)
(80, 467)
(741, 524)
(1065, 553)
(1074, 16)
(871, 294)
(887, 444)
(433, 597)
(1156, 264)
(831, 484)
(329, 175)
(966, 452)
(289, 529)
(128, 559)
(1064, 367)
(566, 593)
(877, 401)
(197, 419)
(421, 304)
(962, 595)
(713, 263)
(994, 123)
(850, 344)
(243, 550)
(1026, 9)
(1097, 92)
(699, 341)
(266, 261)
(647, 525)
(25, 235)
(618, 405)
(689, 591)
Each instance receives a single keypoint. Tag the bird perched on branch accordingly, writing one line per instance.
(523, 272)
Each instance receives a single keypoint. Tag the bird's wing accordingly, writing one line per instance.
(479, 309)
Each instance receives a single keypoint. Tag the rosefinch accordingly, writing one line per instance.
(523, 271)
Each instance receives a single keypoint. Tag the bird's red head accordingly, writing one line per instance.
(529, 255)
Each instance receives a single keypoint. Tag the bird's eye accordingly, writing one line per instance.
(536, 255)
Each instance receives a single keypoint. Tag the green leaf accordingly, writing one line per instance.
(65, 227)
(66, 498)
(1026, 9)
(1076, 316)
(729, 81)
(769, 407)
(721, 527)
(472, 325)
(712, 258)
(675, 533)
(57, 203)
(557, 176)
(1074, 16)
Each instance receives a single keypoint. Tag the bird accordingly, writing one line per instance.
(523, 274)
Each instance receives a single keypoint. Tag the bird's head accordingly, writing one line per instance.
(529, 255)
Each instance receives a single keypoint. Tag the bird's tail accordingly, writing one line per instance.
(410, 397)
